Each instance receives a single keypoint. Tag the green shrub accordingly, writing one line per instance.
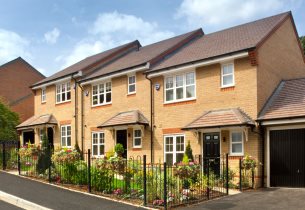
(119, 149)
(189, 152)
(44, 158)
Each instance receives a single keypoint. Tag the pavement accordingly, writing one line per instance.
(270, 198)
(52, 197)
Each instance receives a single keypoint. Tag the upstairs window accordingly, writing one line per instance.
(65, 135)
(43, 95)
(227, 75)
(180, 87)
(63, 92)
(101, 94)
(132, 84)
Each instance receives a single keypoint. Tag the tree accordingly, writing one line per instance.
(189, 152)
(302, 39)
(8, 122)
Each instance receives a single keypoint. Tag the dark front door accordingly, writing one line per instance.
(287, 158)
(50, 137)
(121, 138)
(28, 137)
(211, 151)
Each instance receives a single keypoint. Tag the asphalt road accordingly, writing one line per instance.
(271, 199)
(54, 197)
(7, 206)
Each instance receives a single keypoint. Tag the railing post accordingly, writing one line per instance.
(227, 173)
(165, 186)
(49, 162)
(240, 176)
(3, 156)
(18, 158)
(144, 180)
(89, 171)
(252, 178)
(208, 181)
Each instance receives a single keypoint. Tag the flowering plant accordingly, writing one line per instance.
(248, 162)
(188, 170)
(28, 150)
(158, 202)
(65, 155)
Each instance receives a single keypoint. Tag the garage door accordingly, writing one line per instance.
(287, 154)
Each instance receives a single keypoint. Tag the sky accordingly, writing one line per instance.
(52, 35)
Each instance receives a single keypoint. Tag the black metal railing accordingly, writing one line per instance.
(9, 154)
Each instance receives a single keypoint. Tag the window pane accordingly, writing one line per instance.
(58, 98)
(101, 99)
(132, 88)
(102, 149)
(63, 141)
(58, 88)
(237, 148)
(179, 93)
(68, 86)
(94, 90)
(228, 69)
(180, 144)
(101, 86)
(169, 82)
(237, 137)
(68, 95)
(69, 130)
(94, 98)
(137, 133)
(137, 141)
(169, 95)
(132, 79)
(69, 141)
(94, 148)
(102, 138)
(227, 80)
(94, 138)
(169, 140)
(190, 91)
(108, 97)
(108, 86)
(179, 80)
(63, 87)
(169, 159)
(190, 78)
(179, 157)
(63, 96)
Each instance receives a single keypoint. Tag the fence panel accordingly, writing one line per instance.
(9, 155)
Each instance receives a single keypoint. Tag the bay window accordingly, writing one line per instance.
(174, 147)
(180, 87)
(101, 94)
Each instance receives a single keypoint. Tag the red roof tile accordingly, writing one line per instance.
(221, 118)
(287, 101)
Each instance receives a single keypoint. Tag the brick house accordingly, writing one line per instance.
(209, 89)
(16, 77)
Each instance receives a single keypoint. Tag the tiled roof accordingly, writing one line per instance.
(38, 120)
(223, 42)
(146, 54)
(126, 118)
(287, 101)
(91, 60)
(221, 118)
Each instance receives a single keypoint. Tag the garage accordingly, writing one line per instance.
(287, 158)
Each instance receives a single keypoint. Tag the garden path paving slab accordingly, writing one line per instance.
(54, 197)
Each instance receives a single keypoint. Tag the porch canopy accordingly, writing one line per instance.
(47, 119)
(221, 118)
(134, 117)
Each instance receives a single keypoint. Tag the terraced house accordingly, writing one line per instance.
(216, 91)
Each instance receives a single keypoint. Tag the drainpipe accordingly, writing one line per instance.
(151, 120)
(76, 110)
(82, 116)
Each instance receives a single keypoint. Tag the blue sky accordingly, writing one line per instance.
(54, 34)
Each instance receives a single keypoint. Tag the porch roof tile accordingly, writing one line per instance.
(221, 118)
(38, 120)
(126, 118)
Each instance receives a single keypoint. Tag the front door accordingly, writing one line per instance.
(211, 151)
(121, 138)
(50, 137)
(28, 137)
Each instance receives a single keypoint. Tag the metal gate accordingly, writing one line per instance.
(287, 158)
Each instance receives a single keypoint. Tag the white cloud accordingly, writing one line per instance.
(223, 13)
(12, 46)
(51, 36)
(113, 29)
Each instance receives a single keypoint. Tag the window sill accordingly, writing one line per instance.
(44, 102)
(62, 103)
(236, 156)
(131, 94)
(101, 106)
(227, 88)
(175, 103)
(136, 148)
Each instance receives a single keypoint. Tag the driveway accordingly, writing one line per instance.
(53, 197)
(271, 198)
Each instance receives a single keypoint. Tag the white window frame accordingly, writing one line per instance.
(43, 95)
(59, 92)
(130, 84)
(174, 152)
(98, 93)
(65, 136)
(98, 144)
(42, 131)
(222, 75)
(134, 138)
(242, 142)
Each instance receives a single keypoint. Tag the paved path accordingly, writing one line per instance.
(54, 197)
(271, 199)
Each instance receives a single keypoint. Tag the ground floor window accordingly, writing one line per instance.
(98, 144)
(65, 135)
(174, 147)
(237, 147)
(137, 138)
(42, 132)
